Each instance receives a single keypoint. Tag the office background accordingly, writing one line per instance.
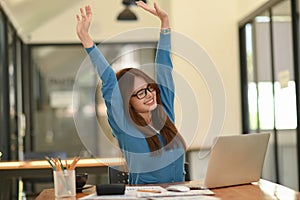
(40, 56)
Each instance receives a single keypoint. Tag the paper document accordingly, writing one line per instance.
(108, 197)
(187, 198)
(154, 192)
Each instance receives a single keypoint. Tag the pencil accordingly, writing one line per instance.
(74, 162)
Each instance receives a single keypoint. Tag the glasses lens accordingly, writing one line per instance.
(150, 88)
(141, 94)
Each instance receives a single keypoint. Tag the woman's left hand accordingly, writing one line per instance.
(157, 11)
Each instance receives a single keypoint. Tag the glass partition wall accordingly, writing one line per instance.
(63, 87)
(269, 86)
(10, 90)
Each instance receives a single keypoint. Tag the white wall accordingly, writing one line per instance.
(246, 6)
(214, 26)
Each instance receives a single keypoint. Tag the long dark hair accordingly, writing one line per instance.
(160, 120)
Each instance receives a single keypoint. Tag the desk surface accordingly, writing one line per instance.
(43, 164)
(41, 168)
(262, 190)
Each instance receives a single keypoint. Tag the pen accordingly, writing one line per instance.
(152, 191)
(49, 161)
(67, 167)
(61, 165)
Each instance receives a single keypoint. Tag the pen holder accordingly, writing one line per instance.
(64, 183)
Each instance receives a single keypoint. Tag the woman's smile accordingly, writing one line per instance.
(150, 102)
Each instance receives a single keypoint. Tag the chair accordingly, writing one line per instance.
(29, 184)
(187, 171)
(118, 175)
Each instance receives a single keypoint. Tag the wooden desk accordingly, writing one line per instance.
(262, 190)
(41, 168)
(10, 171)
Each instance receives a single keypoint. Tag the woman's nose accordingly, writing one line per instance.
(149, 94)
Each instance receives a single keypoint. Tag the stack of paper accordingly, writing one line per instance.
(155, 193)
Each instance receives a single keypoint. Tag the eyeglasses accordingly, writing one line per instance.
(142, 93)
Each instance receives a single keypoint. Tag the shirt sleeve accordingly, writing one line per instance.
(164, 76)
(110, 89)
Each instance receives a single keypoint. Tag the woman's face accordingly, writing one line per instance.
(143, 98)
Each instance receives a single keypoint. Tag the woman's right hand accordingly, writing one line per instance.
(83, 25)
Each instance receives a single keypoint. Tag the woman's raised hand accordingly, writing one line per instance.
(157, 11)
(83, 25)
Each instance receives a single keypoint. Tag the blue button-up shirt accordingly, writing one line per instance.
(144, 167)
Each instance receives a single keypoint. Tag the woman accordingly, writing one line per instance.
(140, 110)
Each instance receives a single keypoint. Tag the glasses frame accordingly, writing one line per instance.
(142, 93)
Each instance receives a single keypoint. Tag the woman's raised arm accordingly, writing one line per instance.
(83, 25)
(163, 60)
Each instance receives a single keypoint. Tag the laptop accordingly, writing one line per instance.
(235, 160)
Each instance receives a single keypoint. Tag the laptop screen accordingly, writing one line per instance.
(236, 159)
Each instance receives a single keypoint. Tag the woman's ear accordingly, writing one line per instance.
(130, 106)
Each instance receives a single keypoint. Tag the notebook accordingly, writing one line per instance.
(235, 160)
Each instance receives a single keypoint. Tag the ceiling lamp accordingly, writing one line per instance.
(127, 14)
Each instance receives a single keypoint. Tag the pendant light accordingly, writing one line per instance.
(127, 14)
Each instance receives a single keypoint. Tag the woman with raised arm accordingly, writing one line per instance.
(141, 110)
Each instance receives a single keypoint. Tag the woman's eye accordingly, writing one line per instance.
(141, 93)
